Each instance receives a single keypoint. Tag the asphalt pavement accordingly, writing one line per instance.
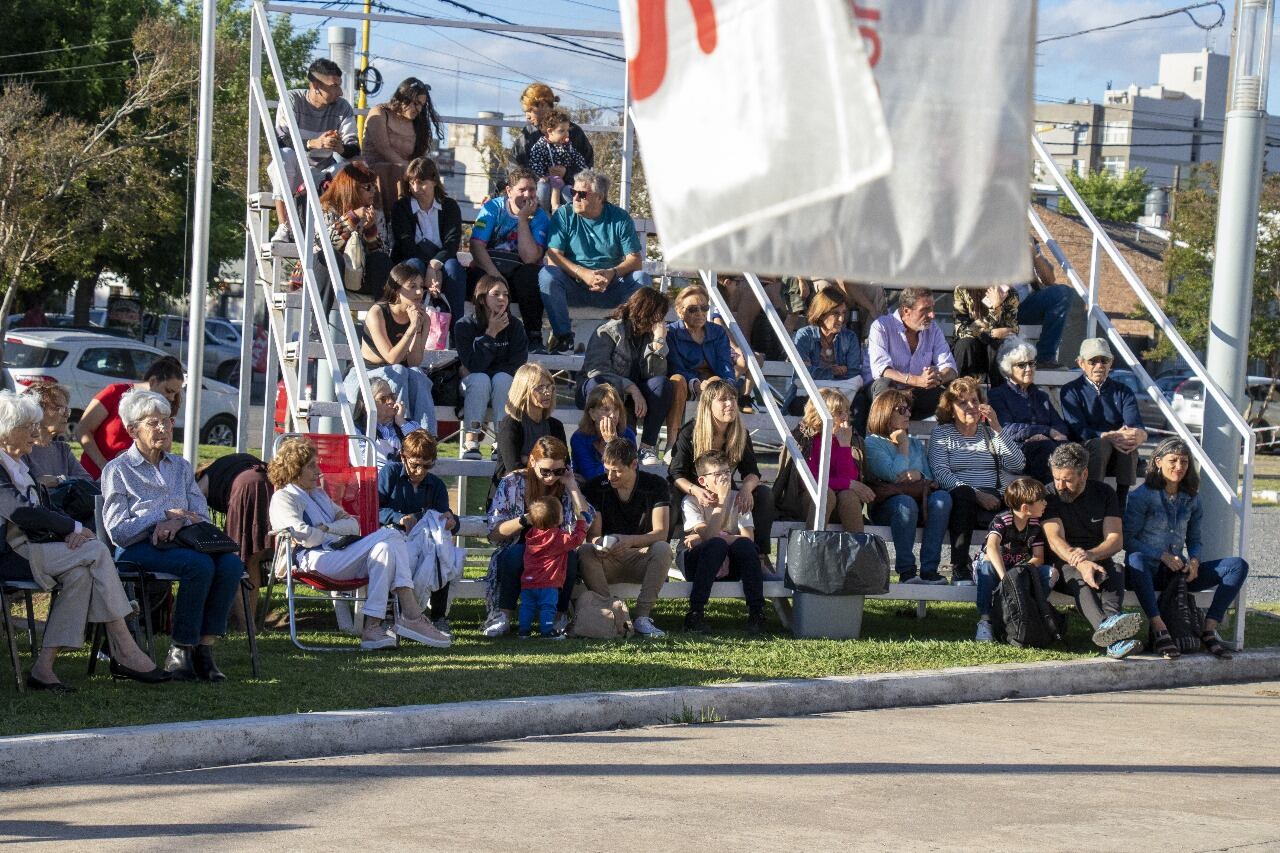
(1183, 769)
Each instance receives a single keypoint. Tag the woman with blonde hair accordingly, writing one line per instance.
(830, 351)
(548, 474)
(718, 426)
(604, 418)
(974, 460)
(847, 494)
(697, 351)
(320, 530)
(530, 402)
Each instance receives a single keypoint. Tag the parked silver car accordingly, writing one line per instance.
(221, 343)
(85, 363)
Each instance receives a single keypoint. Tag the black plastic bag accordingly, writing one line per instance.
(830, 562)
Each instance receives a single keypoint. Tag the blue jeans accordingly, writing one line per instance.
(206, 589)
(482, 393)
(657, 393)
(454, 285)
(1048, 309)
(542, 601)
(988, 580)
(902, 515)
(511, 564)
(1146, 575)
(410, 384)
(560, 290)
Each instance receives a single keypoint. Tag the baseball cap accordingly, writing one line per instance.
(1091, 348)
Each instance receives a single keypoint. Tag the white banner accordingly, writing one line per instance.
(749, 112)
(955, 80)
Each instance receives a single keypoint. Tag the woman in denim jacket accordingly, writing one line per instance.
(832, 354)
(1162, 536)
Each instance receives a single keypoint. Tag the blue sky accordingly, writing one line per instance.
(471, 71)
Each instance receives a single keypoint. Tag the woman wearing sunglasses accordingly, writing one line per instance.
(698, 350)
(1029, 418)
(547, 475)
(906, 495)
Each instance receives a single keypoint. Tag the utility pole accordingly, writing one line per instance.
(1234, 252)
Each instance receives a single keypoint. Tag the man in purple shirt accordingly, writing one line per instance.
(907, 350)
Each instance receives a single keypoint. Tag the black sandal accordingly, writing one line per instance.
(1162, 644)
(1213, 645)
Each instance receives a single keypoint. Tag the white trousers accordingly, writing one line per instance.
(384, 557)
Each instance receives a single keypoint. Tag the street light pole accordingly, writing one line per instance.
(1234, 251)
(200, 237)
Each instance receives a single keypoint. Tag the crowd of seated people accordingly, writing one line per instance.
(1002, 455)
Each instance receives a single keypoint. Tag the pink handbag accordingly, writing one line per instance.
(437, 329)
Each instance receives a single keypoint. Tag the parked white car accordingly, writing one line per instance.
(85, 363)
(1188, 404)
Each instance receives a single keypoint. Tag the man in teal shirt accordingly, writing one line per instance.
(596, 258)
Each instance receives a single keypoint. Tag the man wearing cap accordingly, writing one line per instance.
(1103, 416)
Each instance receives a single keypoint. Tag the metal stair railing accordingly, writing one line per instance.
(305, 237)
(817, 487)
(1241, 502)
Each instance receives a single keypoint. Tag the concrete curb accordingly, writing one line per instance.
(105, 753)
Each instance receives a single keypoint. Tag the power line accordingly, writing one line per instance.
(1187, 10)
(62, 70)
(61, 49)
(463, 6)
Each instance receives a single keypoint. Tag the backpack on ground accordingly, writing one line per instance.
(1021, 614)
(600, 617)
(1181, 615)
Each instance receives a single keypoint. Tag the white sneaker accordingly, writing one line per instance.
(648, 456)
(471, 451)
(421, 630)
(498, 624)
(984, 634)
(561, 625)
(644, 627)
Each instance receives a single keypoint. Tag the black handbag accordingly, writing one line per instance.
(344, 542)
(203, 536)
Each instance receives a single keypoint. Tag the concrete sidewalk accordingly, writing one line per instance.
(1188, 769)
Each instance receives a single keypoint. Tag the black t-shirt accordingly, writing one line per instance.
(223, 472)
(1082, 519)
(635, 517)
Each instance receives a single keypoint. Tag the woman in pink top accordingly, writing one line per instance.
(846, 493)
(395, 133)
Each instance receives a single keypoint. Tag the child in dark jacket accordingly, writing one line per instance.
(546, 560)
(553, 158)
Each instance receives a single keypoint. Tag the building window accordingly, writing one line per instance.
(1115, 134)
(1082, 134)
(1077, 166)
(1114, 166)
(1197, 73)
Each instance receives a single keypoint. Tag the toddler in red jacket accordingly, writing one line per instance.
(546, 559)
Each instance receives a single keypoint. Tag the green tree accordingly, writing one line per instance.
(1189, 268)
(1115, 199)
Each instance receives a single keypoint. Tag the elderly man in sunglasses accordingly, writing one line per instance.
(327, 124)
(595, 257)
(1103, 416)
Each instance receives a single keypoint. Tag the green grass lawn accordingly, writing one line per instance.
(478, 668)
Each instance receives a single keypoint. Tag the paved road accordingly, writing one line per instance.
(1073, 773)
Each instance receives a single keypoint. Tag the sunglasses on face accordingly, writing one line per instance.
(902, 410)
(320, 84)
(543, 389)
(581, 193)
(695, 309)
(551, 472)
(1024, 365)
(1099, 359)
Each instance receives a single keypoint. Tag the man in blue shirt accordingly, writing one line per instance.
(508, 240)
(596, 257)
(1103, 416)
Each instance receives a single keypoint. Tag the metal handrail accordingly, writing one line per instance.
(308, 235)
(1241, 503)
(817, 487)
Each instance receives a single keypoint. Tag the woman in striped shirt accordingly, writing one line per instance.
(971, 459)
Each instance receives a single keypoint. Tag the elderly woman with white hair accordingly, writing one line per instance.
(149, 494)
(1029, 418)
(64, 554)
